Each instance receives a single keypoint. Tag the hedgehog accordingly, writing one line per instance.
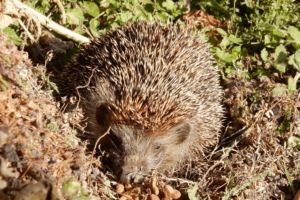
(155, 88)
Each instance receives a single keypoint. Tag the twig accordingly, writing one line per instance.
(154, 7)
(221, 186)
(94, 150)
(62, 10)
(79, 87)
(295, 113)
(26, 30)
(27, 169)
(51, 24)
(98, 140)
(216, 164)
(51, 11)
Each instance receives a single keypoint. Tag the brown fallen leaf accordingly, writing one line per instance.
(152, 197)
(171, 193)
(297, 196)
(120, 188)
(201, 19)
(153, 185)
(41, 190)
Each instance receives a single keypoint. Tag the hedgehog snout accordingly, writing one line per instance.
(125, 177)
(129, 177)
(132, 170)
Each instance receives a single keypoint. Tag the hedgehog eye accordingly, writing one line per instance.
(157, 147)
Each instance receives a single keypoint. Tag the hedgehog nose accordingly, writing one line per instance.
(126, 177)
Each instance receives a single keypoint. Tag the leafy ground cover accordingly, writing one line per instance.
(257, 49)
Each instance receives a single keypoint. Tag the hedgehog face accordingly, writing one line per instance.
(143, 153)
(134, 153)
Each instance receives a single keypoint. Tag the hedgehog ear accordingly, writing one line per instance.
(182, 132)
(102, 114)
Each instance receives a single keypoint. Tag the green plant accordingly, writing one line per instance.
(265, 34)
(288, 176)
(285, 125)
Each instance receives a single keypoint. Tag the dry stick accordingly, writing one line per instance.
(26, 30)
(51, 11)
(98, 140)
(79, 87)
(51, 24)
(295, 111)
(27, 169)
(62, 10)
(94, 150)
(154, 7)
(221, 186)
(219, 162)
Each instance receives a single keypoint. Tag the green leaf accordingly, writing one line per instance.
(288, 175)
(294, 33)
(267, 27)
(73, 190)
(264, 55)
(292, 85)
(234, 39)
(192, 192)
(225, 56)
(13, 36)
(295, 60)
(222, 32)
(169, 5)
(178, 12)
(278, 34)
(163, 16)
(274, 38)
(225, 42)
(214, 6)
(149, 8)
(45, 3)
(230, 70)
(135, 2)
(109, 2)
(267, 39)
(239, 188)
(142, 13)
(94, 23)
(236, 50)
(284, 125)
(244, 52)
(71, 187)
(147, 1)
(244, 75)
(249, 3)
(80, 30)
(297, 57)
(74, 16)
(261, 72)
(124, 17)
(280, 58)
(278, 91)
(294, 141)
(91, 8)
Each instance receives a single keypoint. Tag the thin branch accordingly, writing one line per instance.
(51, 24)
(62, 10)
(26, 30)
